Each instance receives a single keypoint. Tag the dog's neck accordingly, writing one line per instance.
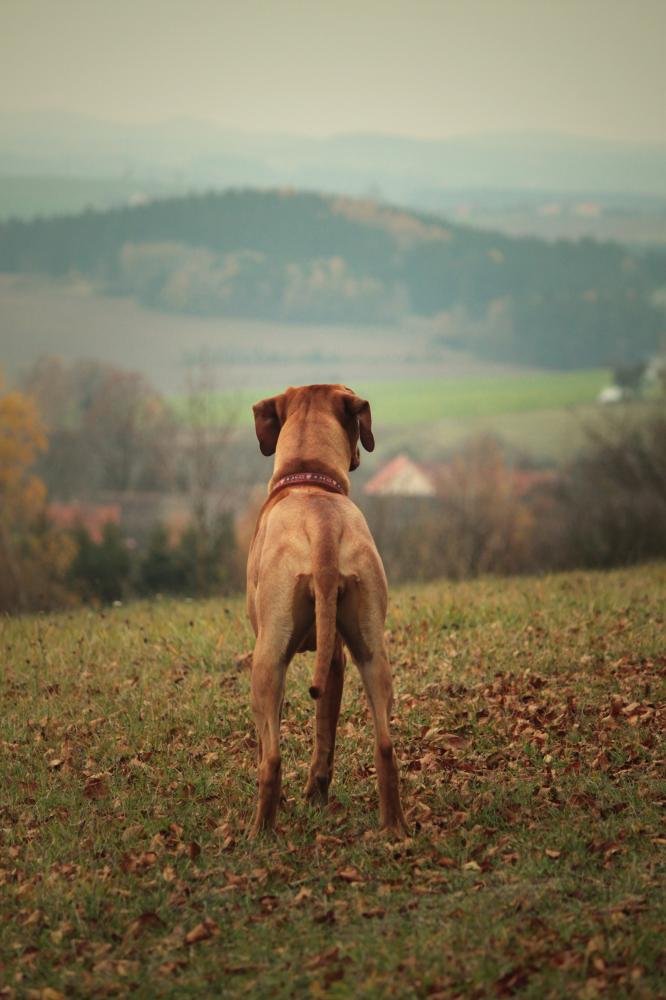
(312, 440)
(291, 466)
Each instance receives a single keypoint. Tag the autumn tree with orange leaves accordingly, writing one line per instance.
(33, 558)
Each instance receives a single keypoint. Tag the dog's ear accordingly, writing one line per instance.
(360, 408)
(268, 423)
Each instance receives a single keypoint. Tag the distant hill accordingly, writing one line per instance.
(193, 152)
(303, 257)
(547, 185)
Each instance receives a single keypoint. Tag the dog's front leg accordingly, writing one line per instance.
(376, 676)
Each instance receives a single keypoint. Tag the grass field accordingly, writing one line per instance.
(543, 415)
(73, 320)
(529, 725)
(425, 401)
(548, 436)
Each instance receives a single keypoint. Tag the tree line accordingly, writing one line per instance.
(312, 258)
(606, 508)
(72, 434)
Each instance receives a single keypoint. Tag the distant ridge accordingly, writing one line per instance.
(192, 152)
(303, 257)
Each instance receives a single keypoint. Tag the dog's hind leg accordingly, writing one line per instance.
(268, 678)
(327, 710)
(376, 676)
(361, 616)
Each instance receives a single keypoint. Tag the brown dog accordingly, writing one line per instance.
(314, 579)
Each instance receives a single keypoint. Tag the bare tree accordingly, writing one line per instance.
(210, 419)
(108, 428)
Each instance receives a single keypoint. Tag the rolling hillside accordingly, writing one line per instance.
(529, 719)
(426, 399)
(298, 257)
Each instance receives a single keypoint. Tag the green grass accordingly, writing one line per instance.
(552, 436)
(413, 402)
(529, 722)
(426, 401)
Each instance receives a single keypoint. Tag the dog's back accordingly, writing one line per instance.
(313, 551)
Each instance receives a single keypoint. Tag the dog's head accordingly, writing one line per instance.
(311, 412)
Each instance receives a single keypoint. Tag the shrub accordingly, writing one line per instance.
(614, 497)
(100, 570)
(160, 568)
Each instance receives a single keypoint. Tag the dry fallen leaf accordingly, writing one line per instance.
(96, 787)
(350, 875)
(206, 929)
(143, 922)
(302, 895)
(323, 958)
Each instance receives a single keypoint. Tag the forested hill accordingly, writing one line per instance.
(307, 257)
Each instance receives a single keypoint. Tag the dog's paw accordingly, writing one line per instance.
(316, 790)
(395, 829)
(262, 826)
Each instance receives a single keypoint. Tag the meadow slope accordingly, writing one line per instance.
(409, 402)
(529, 723)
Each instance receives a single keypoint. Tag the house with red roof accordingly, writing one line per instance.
(403, 477)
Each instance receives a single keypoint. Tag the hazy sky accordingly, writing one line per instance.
(590, 67)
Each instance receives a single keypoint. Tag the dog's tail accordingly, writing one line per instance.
(325, 583)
